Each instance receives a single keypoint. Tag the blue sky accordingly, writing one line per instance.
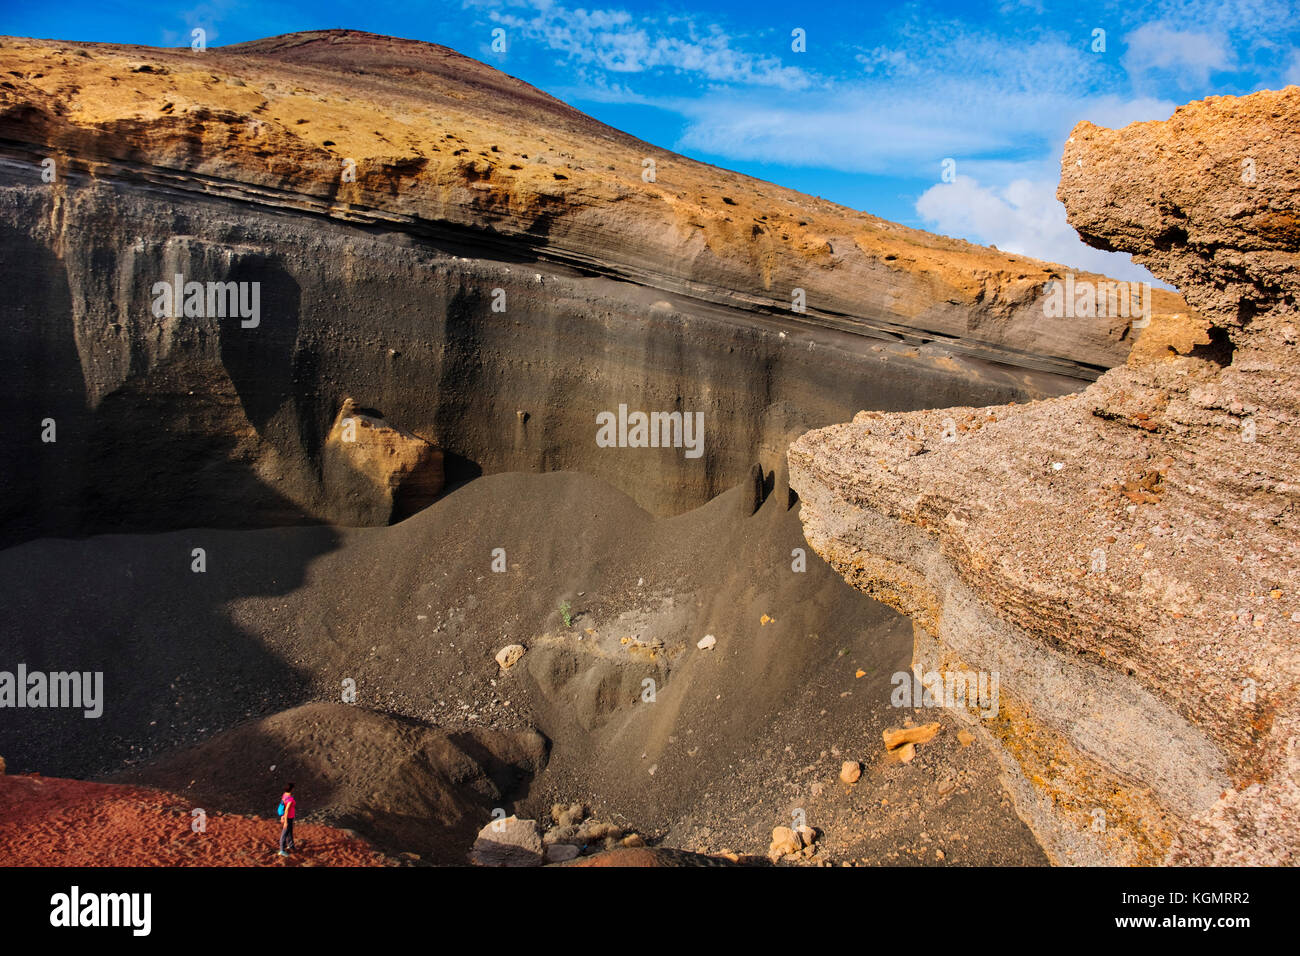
(865, 115)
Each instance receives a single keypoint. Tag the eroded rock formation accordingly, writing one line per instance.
(438, 240)
(1125, 557)
(375, 473)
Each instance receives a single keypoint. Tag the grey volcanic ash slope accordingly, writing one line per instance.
(728, 742)
(389, 197)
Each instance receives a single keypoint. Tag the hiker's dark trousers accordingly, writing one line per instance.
(286, 837)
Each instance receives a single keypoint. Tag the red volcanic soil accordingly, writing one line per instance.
(48, 821)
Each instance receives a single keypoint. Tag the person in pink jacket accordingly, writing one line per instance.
(288, 809)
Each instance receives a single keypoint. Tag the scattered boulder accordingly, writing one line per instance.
(509, 655)
(574, 829)
(593, 831)
(807, 836)
(707, 643)
(375, 473)
(850, 771)
(791, 842)
(508, 842)
(910, 735)
(562, 835)
(561, 852)
(785, 842)
(903, 754)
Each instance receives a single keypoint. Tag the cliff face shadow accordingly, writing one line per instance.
(173, 449)
(175, 442)
(169, 446)
(159, 617)
(276, 381)
(460, 374)
(259, 359)
(40, 480)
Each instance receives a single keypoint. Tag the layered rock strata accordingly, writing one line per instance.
(1124, 559)
(441, 241)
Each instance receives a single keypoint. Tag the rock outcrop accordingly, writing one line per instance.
(436, 239)
(1124, 559)
(375, 473)
(508, 841)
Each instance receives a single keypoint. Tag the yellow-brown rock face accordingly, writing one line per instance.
(369, 128)
(1124, 558)
(375, 472)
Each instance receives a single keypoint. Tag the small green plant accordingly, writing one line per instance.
(566, 612)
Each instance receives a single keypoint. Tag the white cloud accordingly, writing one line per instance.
(1000, 107)
(851, 132)
(1246, 20)
(1024, 218)
(935, 91)
(862, 130)
(1293, 74)
(1000, 103)
(1185, 56)
(616, 41)
(204, 15)
(886, 61)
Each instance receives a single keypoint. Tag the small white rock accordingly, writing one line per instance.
(707, 642)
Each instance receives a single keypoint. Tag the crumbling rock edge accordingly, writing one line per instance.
(1125, 557)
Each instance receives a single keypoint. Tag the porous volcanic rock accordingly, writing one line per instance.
(1124, 558)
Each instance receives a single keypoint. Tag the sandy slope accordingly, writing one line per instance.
(735, 739)
(48, 821)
